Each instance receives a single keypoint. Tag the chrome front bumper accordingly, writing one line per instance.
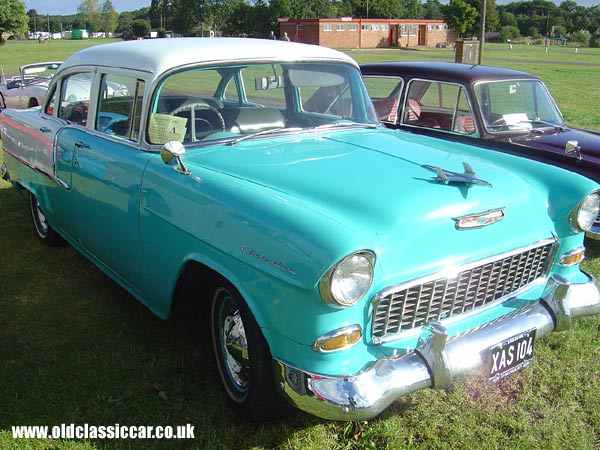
(436, 362)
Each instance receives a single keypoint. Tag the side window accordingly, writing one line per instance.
(189, 105)
(433, 104)
(327, 93)
(230, 93)
(50, 104)
(120, 105)
(421, 101)
(464, 122)
(75, 98)
(385, 94)
(263, 85)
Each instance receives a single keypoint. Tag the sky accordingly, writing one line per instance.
(68, 7)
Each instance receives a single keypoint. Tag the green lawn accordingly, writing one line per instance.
(75, 348)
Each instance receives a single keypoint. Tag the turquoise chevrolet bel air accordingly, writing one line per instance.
(343, 265)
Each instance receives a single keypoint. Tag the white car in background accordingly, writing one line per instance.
(29, 88)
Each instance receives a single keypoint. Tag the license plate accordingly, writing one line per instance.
(511, 355)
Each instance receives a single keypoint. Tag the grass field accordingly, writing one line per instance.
(75, 348)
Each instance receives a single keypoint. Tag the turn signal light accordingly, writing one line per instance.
(339, 339)
(573, 257)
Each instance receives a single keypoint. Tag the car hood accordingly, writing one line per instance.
(374, 190)
(555, 140)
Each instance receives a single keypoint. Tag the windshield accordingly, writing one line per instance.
(516, 105)
(36, 72)
(255, 100)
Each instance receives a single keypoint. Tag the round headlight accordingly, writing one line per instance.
(349, 280)
(584, 216)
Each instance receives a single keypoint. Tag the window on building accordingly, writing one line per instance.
(375, 27)
(402, 30)
(365, 27)
(327, 27)
(339, 27)
(413, 30)
(352, 27)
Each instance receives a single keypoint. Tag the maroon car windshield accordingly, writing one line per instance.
(513, 105)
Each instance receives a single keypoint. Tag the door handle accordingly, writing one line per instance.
(45, 129)
(80, 144)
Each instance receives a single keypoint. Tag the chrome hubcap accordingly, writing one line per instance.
(234, 345)
(42, 225)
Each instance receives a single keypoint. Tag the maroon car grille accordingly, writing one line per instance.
(415, 304)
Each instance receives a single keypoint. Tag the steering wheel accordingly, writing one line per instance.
(500, 122)
(204, 119)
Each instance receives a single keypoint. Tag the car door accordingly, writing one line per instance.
(106, 166)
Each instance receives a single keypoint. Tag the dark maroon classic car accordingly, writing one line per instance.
(491, 107)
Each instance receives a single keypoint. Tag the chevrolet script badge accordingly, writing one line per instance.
(479, 220)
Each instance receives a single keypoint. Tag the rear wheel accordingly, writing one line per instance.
(243, 358)
(43, 230)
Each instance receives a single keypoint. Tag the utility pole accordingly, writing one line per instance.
(482, 30)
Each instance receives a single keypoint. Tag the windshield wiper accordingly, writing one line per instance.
(515, 126)
(328, 126)
(262, 133)
(537, 120)
(331, 126)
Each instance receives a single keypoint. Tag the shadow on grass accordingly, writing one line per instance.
(76, 348)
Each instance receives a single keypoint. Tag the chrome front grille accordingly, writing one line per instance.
(414, 304)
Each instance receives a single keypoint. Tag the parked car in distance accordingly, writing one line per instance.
(343, 265)
(29, 88)
(493, 107)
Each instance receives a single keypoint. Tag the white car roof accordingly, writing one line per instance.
(158, 55)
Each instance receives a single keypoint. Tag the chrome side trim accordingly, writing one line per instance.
(37, 169)
(436, 362)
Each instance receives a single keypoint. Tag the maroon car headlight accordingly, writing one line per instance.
(349, 280)
(586, 212)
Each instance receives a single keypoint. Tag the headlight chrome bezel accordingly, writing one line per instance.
(584, 215)
(330, 286)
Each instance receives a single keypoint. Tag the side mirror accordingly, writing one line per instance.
(174, 150)
(573, 147)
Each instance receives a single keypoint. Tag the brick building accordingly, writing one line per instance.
(368, 33)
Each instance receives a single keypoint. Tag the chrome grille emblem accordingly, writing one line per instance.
(479, 220)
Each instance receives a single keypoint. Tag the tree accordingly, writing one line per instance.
(125, 25)
(492, 21)
(13, 19)
(433, 10)
(384, 9)
(108, 17)
(89, 10)
(460, 16)
(509, 32)
(411, 9)
(508, 18)
(140, 28)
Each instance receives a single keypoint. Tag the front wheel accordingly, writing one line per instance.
(43, 230)
(243, 358)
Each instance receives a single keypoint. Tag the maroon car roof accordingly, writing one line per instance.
(447, 71)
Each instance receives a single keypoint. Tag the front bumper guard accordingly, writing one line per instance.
(436, 362)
